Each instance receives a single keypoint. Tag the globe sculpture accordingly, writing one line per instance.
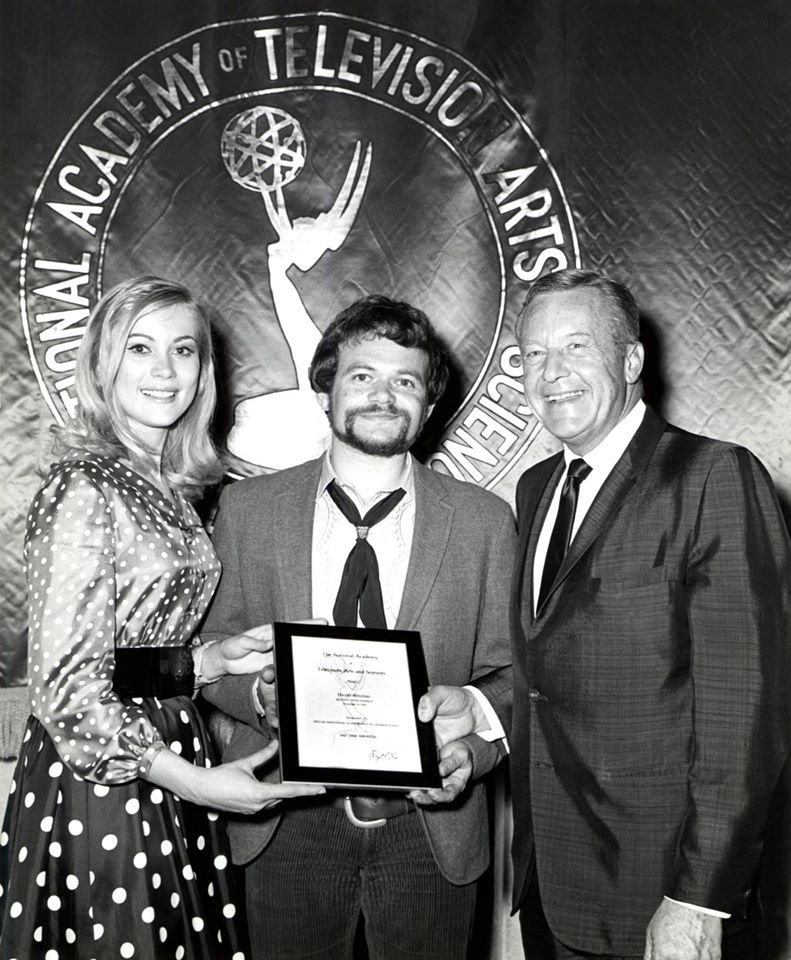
(263, 148)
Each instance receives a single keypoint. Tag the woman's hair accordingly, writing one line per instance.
(189, 459)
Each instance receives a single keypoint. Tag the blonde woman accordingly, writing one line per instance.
(111, 846)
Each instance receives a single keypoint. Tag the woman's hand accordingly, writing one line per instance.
(248, 652)
(231, 787)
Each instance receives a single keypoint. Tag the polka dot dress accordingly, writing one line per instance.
(95, 862)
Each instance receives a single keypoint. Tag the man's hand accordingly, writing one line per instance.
(677, 932)
(264, 685)
(246, 652)
(455, 712)
(455, 768)
(266, 695)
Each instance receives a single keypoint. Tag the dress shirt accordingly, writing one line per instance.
(334, 537)
(391, 538)
(601, 460)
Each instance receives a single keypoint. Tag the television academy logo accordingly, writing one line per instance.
(316, 132)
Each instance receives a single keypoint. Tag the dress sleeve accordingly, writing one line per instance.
(70, 565)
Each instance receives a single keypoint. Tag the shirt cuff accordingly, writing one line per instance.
(197, 664)
(257, 705)
(707, 910)
(495, 731)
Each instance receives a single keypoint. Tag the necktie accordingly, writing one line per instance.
(564, 523)
(360, 578)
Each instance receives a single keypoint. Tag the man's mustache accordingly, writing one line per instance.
(390, 408)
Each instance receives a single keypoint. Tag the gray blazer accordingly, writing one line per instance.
(456, 594)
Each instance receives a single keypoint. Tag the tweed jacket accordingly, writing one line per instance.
(651, 709)
(456, 594)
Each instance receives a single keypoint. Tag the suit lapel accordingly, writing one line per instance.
(613, 493)
(294, 513)
(433, 521)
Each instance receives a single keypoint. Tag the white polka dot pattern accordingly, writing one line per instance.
(95, 873)
(99, 861)
(110, 562)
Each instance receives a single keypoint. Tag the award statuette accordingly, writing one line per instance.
(347, 703)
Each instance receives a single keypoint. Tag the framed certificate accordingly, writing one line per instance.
(347, 702)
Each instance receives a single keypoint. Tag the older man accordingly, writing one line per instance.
(651, 652)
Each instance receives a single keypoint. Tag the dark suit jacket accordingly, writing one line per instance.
(651, 715)
(456, 594)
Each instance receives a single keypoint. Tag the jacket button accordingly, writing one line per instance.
(535, 694)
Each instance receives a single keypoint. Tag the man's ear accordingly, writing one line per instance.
(323, 400)
(633, 362)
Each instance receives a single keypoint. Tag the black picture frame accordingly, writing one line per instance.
(291, 639)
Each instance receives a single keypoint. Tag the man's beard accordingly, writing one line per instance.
(386, 447)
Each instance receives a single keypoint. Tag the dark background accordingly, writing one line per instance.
(666, 122)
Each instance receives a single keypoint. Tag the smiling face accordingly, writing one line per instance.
(378, 401)
(578, 381)
(159, 372)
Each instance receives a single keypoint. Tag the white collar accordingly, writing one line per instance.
(609, 451)
(328, 473)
